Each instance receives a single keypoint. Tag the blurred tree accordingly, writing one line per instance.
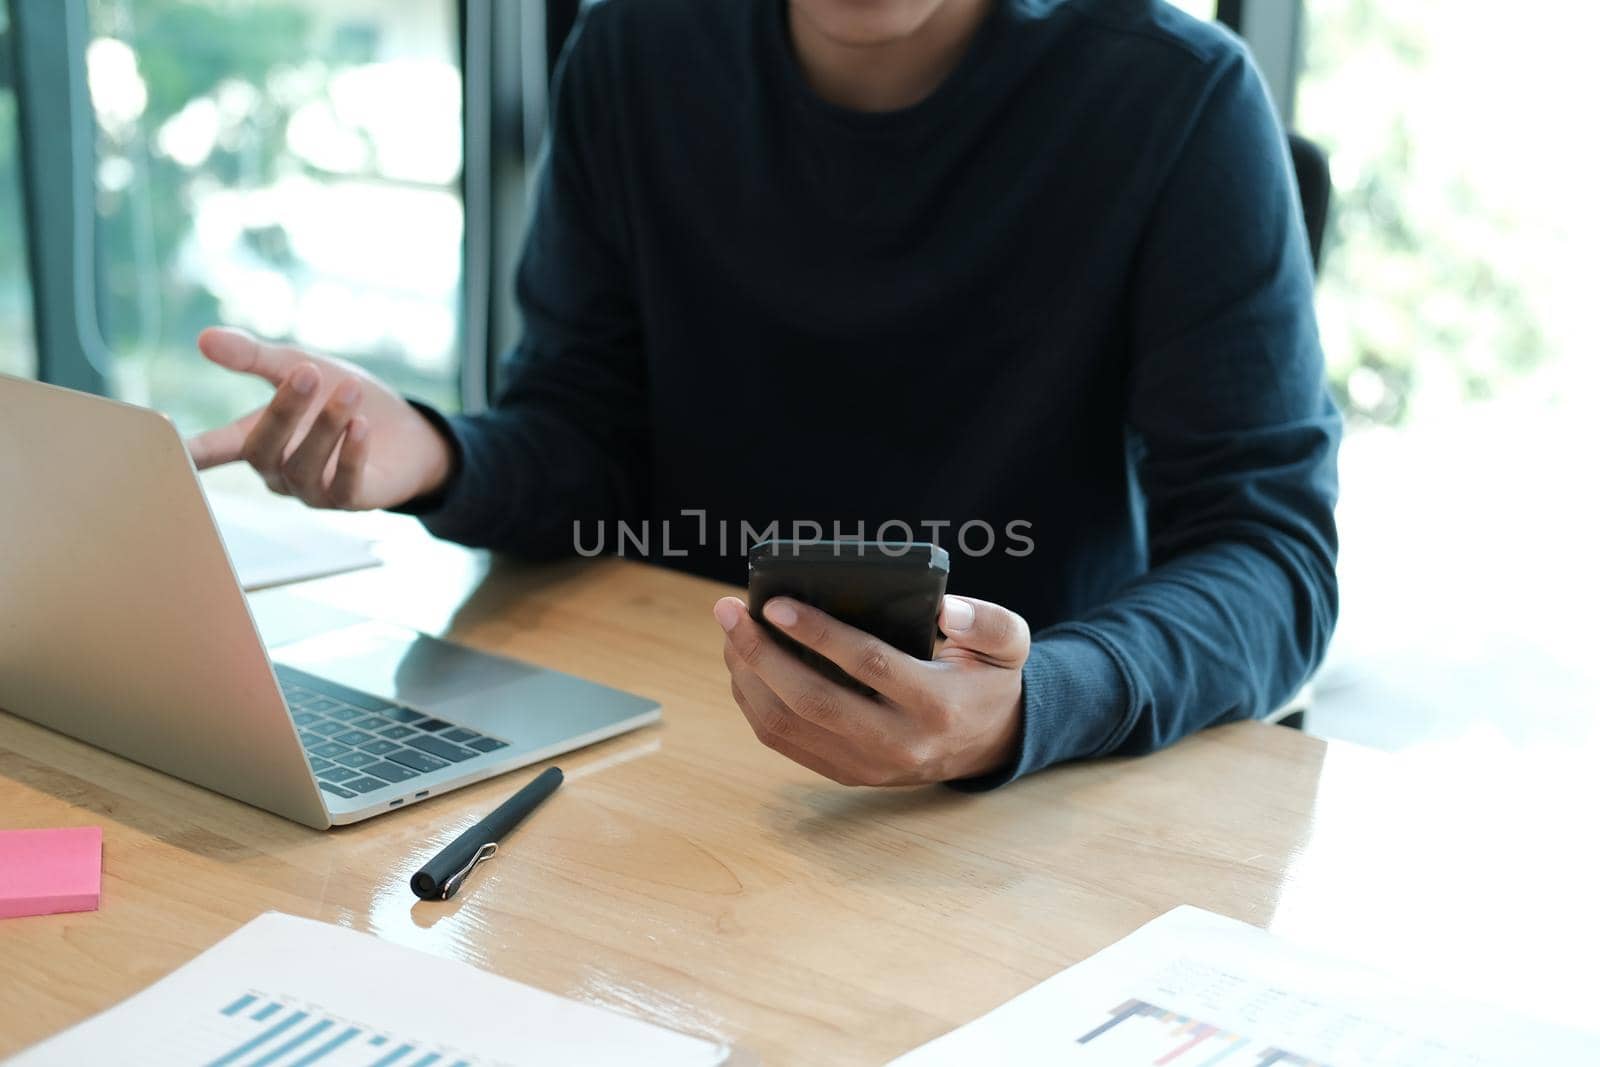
(1419, 290)
(189, 56)
(221, 124)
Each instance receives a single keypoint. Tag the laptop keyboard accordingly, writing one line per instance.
(358, 742)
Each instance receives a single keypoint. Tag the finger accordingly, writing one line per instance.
(808, 694)
(776, 727)
(345, 489)
(728, 611)
(305, 471)
(225, 444)
(988, 631)
(239, 351)
(875, 663)
(264, 446)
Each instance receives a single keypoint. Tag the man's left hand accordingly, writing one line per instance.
(955, 716)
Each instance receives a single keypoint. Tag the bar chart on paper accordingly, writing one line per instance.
(1139, 1032)
(258, 1027)
(1193, 989)
(288, 992)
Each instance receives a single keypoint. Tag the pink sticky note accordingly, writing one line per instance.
(47, 871)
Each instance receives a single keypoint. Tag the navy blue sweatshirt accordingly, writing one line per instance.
(1057, 316)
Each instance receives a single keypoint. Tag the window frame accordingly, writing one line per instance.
(48, 45)
(509, 50)
(1274, 30)
(8, 84)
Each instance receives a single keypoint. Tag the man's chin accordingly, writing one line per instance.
(865, 23)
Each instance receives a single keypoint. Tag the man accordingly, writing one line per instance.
(1034, 267)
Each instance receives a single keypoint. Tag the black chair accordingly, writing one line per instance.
(1316, 190)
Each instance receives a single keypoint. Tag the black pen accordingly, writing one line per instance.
(441, 876)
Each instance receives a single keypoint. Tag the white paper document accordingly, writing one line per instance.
(275, 546)
(290, 991)
(1193, 989)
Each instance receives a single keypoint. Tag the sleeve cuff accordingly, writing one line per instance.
(460, 510)
(1075, 701)
(428, 503)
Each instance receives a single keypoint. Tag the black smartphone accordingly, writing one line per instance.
(890, 589)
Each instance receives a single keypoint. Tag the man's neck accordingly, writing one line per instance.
(891, 75)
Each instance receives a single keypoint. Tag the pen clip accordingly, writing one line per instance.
(453, 883)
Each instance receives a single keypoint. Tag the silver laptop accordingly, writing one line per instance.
(122, 623)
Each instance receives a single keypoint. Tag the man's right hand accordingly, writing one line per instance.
(332, 435)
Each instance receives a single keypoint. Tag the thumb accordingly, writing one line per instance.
(239, 351)
(986, 630)
(225, 444)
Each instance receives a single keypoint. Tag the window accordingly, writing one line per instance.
(288, 166)
(1456, 307)
(16, 318)
(1462, 236)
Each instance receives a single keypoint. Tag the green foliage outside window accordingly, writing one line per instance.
(1430, 291)
(237, 117)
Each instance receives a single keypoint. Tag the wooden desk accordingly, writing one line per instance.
(688, 875)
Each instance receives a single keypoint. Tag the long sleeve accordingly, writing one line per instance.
(566, 439)
(1233, 440)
